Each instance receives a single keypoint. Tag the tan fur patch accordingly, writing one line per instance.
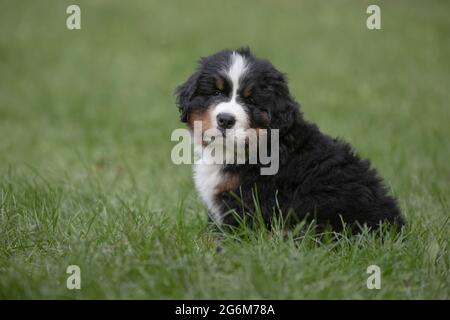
(266, 123)
(204, 117)
(247, 92)
(220, 84)
(229, 183)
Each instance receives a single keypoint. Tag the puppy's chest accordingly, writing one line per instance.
(211, 181)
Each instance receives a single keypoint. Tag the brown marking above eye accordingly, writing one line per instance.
(220, 85)
(247, 92)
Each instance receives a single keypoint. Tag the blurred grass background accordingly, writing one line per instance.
(85, 124)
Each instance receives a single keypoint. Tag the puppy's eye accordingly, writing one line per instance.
(217, 92)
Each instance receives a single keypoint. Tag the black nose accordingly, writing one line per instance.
(225, 120)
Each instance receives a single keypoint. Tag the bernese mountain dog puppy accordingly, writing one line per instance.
(319, 178)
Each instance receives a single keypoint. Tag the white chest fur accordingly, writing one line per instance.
(207, 177)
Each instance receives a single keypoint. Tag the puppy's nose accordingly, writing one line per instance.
(225, 120)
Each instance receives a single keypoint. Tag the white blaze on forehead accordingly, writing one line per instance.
(238, 68)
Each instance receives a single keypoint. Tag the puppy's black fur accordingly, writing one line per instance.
(319, 177)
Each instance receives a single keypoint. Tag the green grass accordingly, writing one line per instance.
(85, 170)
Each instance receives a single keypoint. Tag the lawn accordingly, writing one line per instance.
(85, 172)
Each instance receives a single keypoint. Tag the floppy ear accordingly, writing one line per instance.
(287, 110)
(185, 93)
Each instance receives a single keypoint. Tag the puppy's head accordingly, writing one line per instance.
(236, 90)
